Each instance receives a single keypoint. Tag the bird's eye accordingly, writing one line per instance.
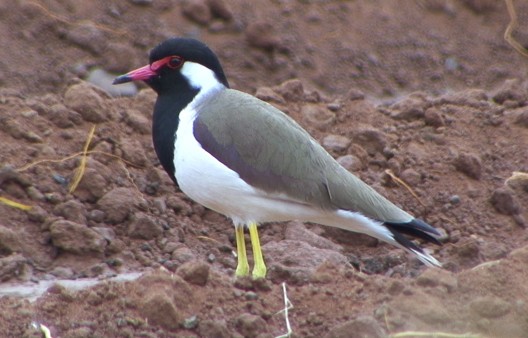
(175, 62)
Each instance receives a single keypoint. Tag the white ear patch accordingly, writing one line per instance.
(199, 77)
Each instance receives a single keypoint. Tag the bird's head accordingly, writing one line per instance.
(177, 63)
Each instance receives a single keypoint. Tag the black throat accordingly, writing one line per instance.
(165, 122)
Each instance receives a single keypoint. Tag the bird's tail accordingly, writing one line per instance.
(419, 229)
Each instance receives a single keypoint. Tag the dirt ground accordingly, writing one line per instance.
(426, 90)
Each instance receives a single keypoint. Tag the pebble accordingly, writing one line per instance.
(92, 186)
(133, 151)
(197, 11)
(220, 9)
(504, 201)
(509, 91)
(362, 326)
(214, 328)
(411, 177)
(350, 162)
(84, 99)
(102, 79)
(438, 277)
(317, 116)
(138, 122)
(337, 143)
(63, 272)
(35, 194)
(261, 34)
(10, 240)
(433, 117)
(490, 307)
(119, 203)
(522, 118)
(159, 309)
(76, 238)
(71, 210)
(250, 325)
(469, 164)
(190, 323)
(296, 230)
(88, 36)
(371, 140)
(269, 95)
(194, 272)
(409, 109)
(291, 90)
(12, 266)
(144, 226)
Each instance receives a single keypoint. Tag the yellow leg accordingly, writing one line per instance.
(242, 269)
(259, 270)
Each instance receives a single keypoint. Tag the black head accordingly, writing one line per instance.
(166, 61)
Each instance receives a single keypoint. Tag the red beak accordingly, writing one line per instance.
(141, 74)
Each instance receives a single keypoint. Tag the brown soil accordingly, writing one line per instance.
(427, 89)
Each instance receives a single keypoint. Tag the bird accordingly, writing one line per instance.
(246, 159)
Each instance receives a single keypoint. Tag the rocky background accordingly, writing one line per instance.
(425, 91)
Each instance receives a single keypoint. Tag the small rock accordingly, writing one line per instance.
(63, 117)
(504, 201)
(144, 226)
(361, 327)
(194, 272)
(269, 95)
(434, 118)
(220, 9)
(214, 328)
(72, 211)
(102, 79)
(76, 238)
(510, 91)
(250, 326)
(88, 36)
(10, 241)
(62, 272)
(262, 35)
(522, 118)
(12, 266)
(438, 277)
(92, 186)
(159, 309)
(119, 203)
(190, 323)
(133, 151)
(182, 254)
(138, 121)
(490, 307)
(317, 116)
(351, 163)
(337, 143)
(370, 139)
(409, 109)
(35, 194)
(481, 6)
(197, 11)
(296, 261)
(84, 99)
(355, 94)
(469, 164)
(291, 90)
(411, 177)
(296, 230)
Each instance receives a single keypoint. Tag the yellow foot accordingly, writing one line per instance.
(259, 270)
(242, 269)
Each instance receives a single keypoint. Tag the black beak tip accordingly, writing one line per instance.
(122, 79)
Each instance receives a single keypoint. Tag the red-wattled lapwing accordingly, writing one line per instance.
(246, 159)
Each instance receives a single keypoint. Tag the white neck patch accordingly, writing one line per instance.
(200, 77)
